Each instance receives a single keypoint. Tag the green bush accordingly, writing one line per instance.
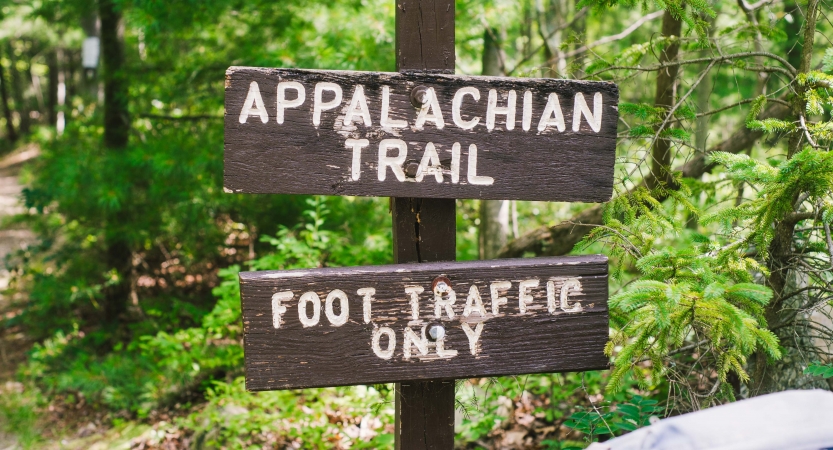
(154, 371)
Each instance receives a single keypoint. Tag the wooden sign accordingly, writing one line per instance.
(378, 324)
(418, 135)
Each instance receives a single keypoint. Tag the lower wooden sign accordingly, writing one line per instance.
(379, 324)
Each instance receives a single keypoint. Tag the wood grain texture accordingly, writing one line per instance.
(424, 229)
(512, 343)
(297, 157)
(425, 410)
(425, 35)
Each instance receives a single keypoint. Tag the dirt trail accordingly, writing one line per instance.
(13, 343)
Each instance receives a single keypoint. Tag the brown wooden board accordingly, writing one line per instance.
(337, 348)
(301, 151)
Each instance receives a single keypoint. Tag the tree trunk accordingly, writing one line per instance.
(116, 133)
(52, 94)
(784, 279)
(703, 94)
(553, 17)
(61, 91)
(71, 77)
(666, 80)
(494, 214)
(116, 117)
(578, 28)
(18, 91)
(11, 134)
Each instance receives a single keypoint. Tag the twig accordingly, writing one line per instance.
(790, 70)
(614, 37)
(529, 55)
(670, 113)
(711, 392)
(687, 347)
(593, 404)
(683, 99)
(806, 131)
(829, 241)
(742, 102)
(754, 6)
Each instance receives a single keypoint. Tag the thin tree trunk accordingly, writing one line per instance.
(18, 91)
(494, 214)
(792, 30)
(71, 77)
(116, 133)
(52, 94)
(553, 16)
(61, 91)
(703, 94)
(11, 133)
(768, 379)
(666, 79)
(116, 117)
(578, 28)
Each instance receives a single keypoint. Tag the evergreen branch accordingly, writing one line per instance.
(633, 247)
(821, 84)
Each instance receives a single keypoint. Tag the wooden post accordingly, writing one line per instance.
(424, 230)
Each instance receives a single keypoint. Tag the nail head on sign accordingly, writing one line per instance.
(436, 332)
(439, 280)
(411, 168)
(419, 96)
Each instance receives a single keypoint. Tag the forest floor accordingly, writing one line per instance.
(13, 342)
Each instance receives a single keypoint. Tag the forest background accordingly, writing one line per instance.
(121, 315)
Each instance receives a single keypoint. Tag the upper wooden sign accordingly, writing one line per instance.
(363, 325)
(418, 135)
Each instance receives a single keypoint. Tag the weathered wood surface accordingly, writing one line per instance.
(512, 342)
(299, 157)
(425, 415)
(424, 229)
